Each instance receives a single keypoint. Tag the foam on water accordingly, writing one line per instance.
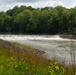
(32, 37)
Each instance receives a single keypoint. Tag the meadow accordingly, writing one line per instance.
(17, 59)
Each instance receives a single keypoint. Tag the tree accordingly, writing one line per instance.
(53, 22)
(7, 23)
(22, 20)
(72, 27)
(42, 21)
(4, 22)
(32, 26)
(13, 12)
(64, 21)
(47, 20)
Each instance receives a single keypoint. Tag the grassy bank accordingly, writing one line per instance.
(17, 59)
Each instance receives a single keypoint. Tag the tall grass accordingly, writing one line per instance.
(17, 59)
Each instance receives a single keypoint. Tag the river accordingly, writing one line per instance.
(52, 45)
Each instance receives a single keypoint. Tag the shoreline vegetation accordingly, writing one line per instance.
(17, 59)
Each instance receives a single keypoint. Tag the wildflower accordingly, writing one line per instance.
(12, 58)
(56, 67)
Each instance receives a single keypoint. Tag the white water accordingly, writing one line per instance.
(32, 37)
(52, 45)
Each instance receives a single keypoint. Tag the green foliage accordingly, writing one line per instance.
(54, 69)
(46, 20)
(10, 66)
(14, 63)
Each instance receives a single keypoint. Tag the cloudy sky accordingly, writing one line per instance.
(8, 4)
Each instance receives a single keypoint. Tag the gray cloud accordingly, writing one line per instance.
(7, 4)
(27, 1)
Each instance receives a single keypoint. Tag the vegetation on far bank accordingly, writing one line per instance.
(46, 20)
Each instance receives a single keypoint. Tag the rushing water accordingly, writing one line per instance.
(32, 37)
(52, 45)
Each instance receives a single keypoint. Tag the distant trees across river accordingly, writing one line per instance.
(48, 20)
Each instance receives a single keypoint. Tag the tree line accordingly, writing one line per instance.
(47, 20)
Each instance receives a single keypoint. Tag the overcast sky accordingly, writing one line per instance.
(7, 4)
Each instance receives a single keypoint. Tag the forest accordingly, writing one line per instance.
(47, 20)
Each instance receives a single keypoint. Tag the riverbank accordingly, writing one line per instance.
(19, 48)
(17, 59)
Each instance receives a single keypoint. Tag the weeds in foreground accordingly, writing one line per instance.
(16, 59)
(10, 67)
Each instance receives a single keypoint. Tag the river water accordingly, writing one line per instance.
(52, 45)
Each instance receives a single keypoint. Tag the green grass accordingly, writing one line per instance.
(11, 67)
(17, 59)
